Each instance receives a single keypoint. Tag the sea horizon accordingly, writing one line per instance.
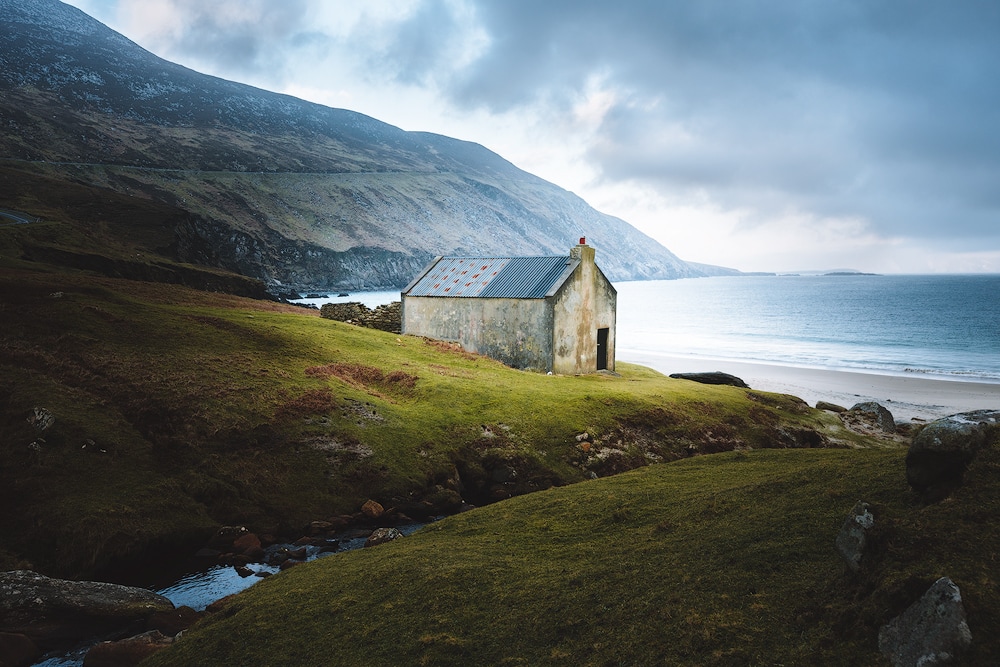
(940, 326)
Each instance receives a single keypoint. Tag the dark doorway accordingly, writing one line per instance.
(602, 349)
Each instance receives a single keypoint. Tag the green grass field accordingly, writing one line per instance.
(725, 559)
(693, 524)
(178, 410)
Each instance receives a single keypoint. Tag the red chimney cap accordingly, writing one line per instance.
(583, 240)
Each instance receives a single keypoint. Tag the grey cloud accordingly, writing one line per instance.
(242, 46)
(880, 109)
(421, 46)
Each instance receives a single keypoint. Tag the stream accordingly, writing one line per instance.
(200, 588)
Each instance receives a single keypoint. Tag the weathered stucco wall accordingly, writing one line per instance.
(585, 303)
(514, 331)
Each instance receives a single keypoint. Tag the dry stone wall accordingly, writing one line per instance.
(387, 317)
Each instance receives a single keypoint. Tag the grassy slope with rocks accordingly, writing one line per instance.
(177, 410)
(725, 559)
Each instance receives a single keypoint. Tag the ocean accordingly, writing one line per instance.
(369, 299)
(945, 326)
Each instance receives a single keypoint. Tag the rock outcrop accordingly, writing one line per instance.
(127, 652)
(869, 417)
(932, 631)
(372, 509)
(41, 419)
(853, 537)
(940, 453)
(381, 536)
(713, 377)
(49, 611)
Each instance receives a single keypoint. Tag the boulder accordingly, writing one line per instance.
(17, 650)
(276, 556)
(41, 419)
(381, 536)
(225, 537)
(941, 451)
(339, 522)
(372, 509)
(172, 622)
(49, 611)
(932, 631)
(853, 536)
(830, 407)
(869, 416)
(714, 377)
(320, 527)
(247, 544)
(126, 652)
(255, 555)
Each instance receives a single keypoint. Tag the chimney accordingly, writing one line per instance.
(582, 251)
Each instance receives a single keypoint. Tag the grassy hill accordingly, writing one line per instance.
(177, 410)
(81, 227)
(725, 559)
(644, 520)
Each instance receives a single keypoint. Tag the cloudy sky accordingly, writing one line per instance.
(765, 135)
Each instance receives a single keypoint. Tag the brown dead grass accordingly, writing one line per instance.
(368, 378)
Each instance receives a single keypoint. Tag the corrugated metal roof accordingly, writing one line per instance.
(492, 277)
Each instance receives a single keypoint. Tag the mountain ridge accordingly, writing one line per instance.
(294, 193)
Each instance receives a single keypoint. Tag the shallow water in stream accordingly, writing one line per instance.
(200, 588)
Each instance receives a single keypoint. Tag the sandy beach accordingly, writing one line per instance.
(908, 397)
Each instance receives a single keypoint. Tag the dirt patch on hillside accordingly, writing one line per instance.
(367, 378)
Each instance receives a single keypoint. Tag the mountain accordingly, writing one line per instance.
(298, 195)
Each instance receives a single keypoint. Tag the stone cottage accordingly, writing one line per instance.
(548, 314)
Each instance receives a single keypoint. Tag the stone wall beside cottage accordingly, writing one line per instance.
(387, 317)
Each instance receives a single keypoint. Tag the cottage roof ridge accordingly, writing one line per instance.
(503, 256)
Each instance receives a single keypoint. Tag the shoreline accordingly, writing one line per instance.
(908, 398)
